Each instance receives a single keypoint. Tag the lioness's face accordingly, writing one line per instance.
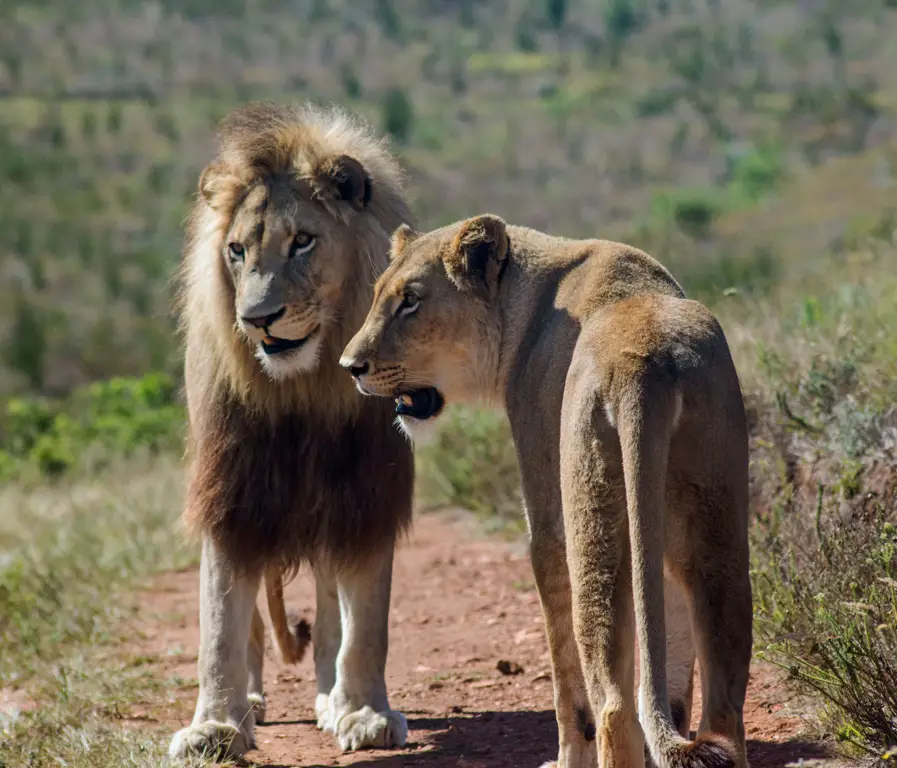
(290, 254)
(433, 331)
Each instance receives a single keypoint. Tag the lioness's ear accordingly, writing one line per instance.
(478, 252)
(217, 184)
(344, 178)
(402, 237)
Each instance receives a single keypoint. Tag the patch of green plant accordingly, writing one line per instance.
(94, 423)
(824, 473)
(754, 174)
(827, 613)
(471, 463)
(708, 279)
(67, 549)
(691, 209)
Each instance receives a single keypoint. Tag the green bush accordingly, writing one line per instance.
(691, 209)
(472, 464)
(755, 174)
(96, 422)
(825, 487)
(398, 114)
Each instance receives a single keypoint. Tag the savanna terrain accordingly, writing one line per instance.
(750, 145)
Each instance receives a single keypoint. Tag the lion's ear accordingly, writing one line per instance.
(478, 252)
(344, 178)
(217, 184)
(401, 238)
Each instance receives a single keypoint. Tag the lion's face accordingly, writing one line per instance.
(289, 259)
(433, 332)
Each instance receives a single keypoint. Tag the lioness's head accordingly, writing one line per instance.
(432, 335)
(298, 207)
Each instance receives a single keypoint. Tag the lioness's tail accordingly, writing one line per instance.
(645, 431)
(291, 638)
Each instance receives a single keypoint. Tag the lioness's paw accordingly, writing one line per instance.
(580, 754)
(366, 728)
(210, 739)
(259, 706)
(322, 703)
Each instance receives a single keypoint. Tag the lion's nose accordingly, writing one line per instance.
(263, 321)
(355, 367)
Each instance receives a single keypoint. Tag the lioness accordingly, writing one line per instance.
(630, 430)
(288, 463)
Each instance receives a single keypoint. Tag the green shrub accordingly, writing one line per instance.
(398, 114)
(691, 209)
(825, 487)
(471, 463)
(755, 174)
(96, 422)
(827, 612)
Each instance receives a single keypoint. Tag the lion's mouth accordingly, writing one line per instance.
(271, 345)
(421, 404)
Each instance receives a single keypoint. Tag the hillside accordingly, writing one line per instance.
(642, 119)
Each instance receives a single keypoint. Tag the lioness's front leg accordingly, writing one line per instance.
(223, 722)
(358, 712)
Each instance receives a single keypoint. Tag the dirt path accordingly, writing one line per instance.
(461, 603)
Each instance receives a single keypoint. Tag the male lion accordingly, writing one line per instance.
(289, 465)
(630, 430)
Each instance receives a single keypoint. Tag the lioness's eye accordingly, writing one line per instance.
(237, 251)
(302, 243)
(409, 304)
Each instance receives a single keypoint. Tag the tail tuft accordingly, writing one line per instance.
(293, 645)
(704, 752)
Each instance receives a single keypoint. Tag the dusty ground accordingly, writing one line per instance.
(461, 603)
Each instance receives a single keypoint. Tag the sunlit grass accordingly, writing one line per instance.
(70, 553)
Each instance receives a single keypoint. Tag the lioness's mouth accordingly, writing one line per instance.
(421, 404)
(271, 345)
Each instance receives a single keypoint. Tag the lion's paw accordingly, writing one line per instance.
(210, 739)
(259, 707)
(366, 728)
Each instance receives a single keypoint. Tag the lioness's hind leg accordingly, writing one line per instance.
(721, 625)
(256, 658)
(605, 633)
(595, 523)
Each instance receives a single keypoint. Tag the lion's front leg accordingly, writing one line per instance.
(256, 660)
(326, 636)
(223, 722)
(358, 712)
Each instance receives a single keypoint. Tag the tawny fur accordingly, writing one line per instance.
(629, 425)
(283, 470)
(291, 469)
(290, 636)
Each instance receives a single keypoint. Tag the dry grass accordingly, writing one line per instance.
(71, 552)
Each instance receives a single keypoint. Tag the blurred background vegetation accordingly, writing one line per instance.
(641, 119)
(750, 145)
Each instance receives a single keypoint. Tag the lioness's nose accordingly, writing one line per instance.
(355, 367)
(263, 321)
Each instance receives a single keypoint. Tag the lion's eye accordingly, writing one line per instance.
(237, 251)
(410, 303)
(302, 243)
